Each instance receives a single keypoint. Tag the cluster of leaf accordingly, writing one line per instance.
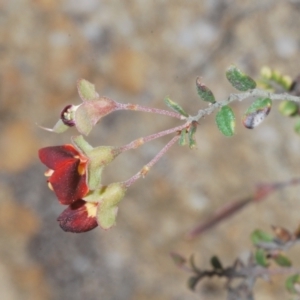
(271, 248)
(253, 116)
(274, 81)
(225, 117)
(269, 251)
(187, 135)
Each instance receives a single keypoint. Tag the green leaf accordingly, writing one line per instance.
(288, 108)
(216, 263)
(258, 236)
(239, 80)
(204, 92)
(192, 282)
(257, 112)
(178, 259)
(291, 283)
(283, 261)
(297, 126)
(225, 120)
(191, 134)
(86, 90)
(259, 104)
(182, 140)
(261, 258)
(175, 106)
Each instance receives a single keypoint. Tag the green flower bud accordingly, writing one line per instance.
(288, 108)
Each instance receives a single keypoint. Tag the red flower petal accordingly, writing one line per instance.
(79, 217)
(55, 156)
(68, 184)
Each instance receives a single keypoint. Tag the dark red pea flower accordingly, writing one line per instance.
(80, 216)
(67, 174)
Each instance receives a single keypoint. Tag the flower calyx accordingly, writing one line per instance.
(108, 198)
(98, 207)
(87, 114)
(98, 158)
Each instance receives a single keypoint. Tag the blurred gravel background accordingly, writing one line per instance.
(139, 52)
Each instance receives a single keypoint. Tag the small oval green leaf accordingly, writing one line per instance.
(283, 261)
(291, 283)
(225, 120)
(259, 236)
(204, 92)
(191, 135)
(239, 80)
(182, 140)
(257, 112)
(297, 126)
(175, 106)
(216, 263)
(261, 258)
(192, 282)
(288, 108)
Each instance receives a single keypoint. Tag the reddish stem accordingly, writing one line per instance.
(139, 142)
(137, 107)
(226, 211)
(151, 163)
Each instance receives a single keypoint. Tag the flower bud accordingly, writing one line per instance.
(86, 115)
(79, 217)
(67, 115)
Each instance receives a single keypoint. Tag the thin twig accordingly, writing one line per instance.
(136, 107)
(229, 209)
(150, 164)
(140, 141)
(241, 97)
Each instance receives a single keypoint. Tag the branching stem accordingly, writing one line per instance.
(140, 141)
(151, 163)
(242, 97)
